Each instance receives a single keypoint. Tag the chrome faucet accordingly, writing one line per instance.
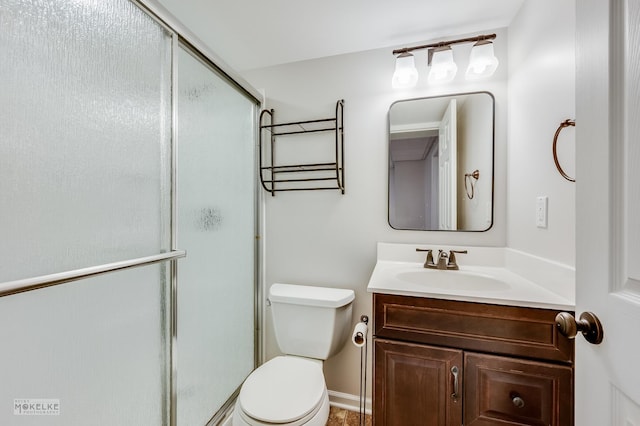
(446, 262)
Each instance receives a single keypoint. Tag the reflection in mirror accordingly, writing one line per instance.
(441, 163)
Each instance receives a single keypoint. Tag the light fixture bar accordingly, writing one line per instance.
(484, 37)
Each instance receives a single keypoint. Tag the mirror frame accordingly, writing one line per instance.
(493, 162)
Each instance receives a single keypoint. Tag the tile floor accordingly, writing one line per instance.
(342, 417)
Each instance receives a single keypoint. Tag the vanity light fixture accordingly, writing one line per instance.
(442, 68)
(482, 61)
(406, 74)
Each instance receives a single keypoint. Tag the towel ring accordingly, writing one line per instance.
(566, 123)
(472, 178)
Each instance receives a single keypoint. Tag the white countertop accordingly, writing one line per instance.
(510, 289)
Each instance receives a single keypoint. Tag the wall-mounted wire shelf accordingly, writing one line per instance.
(305, 176)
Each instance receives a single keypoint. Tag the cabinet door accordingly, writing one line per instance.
(414, 385)
(508, 391)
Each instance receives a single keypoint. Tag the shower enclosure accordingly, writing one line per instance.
(121, 148)
(215, 223)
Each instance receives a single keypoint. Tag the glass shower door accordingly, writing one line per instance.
(216, 225)
(85, 126)
(86, 121)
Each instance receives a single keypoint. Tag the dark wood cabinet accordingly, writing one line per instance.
(509, 391)
(415, 385)
(442, 363)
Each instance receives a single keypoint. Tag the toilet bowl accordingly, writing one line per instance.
(311, 324)
(286, 390)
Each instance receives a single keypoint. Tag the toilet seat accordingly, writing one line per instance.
(317, 417)
(285, 390)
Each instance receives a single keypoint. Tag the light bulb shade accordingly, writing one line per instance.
(482, 62)
(406, 74)
(443, 69)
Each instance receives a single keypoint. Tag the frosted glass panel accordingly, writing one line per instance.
(216, 226)
(84, 129)
(97, 346)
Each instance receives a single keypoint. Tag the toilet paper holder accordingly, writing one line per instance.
(359, 339)
(360, 331)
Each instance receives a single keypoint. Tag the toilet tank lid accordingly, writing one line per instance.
(310, 295)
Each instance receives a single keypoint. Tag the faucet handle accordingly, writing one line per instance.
(452, 258)
(428, 263)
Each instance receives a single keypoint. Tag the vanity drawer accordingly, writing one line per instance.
(506, 330)
(506, 391)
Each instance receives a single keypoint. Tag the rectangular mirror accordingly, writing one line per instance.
(441, 163)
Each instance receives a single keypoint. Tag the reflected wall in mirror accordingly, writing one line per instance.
(441, 163)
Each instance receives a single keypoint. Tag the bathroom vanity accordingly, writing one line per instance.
(482, 349)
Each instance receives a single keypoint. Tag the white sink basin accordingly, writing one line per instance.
(488, 284)
(466, 280)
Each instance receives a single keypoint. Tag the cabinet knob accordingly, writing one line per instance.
(589, 325)
(518, 402)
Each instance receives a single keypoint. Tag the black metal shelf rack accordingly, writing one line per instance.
(313, 176)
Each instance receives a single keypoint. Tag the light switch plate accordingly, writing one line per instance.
(542, 203)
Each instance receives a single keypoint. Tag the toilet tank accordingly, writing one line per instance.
(309, 321)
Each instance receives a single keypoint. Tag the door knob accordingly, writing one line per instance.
(589, 325)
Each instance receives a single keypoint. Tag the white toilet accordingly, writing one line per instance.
(311, 324)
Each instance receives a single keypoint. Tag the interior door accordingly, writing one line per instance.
(608, 202)
(448, 167)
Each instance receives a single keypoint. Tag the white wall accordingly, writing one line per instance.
(325, 238)
(541, 96)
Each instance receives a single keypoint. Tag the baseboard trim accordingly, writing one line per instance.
(348, 401)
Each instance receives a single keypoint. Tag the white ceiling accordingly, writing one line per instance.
(250, 34)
